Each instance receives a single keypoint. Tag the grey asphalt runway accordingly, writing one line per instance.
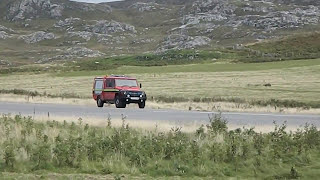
(173, 116)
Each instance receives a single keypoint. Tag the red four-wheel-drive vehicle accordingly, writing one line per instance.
(118, 90)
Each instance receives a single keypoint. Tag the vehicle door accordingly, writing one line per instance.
(109, 91)
(97, 88)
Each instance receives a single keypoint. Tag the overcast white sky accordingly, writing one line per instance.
(95, 1)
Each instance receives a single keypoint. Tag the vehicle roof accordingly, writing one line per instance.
(116, 77)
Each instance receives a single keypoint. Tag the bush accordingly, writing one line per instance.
(212, 150)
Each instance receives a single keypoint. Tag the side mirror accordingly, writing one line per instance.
(140, 85)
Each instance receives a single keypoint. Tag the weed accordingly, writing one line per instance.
(9, 155)
(217, 124)
(109, 120)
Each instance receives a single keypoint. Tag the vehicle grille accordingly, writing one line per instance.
(135, 93)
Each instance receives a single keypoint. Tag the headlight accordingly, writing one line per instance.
(128, 95)
(124, 92)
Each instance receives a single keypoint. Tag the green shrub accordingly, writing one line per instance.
(211, 150)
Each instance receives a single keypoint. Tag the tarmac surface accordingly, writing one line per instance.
(176, 117)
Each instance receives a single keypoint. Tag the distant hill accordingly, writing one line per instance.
(45, 31)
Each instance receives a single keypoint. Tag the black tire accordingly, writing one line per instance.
(119, 103)
(142, 104)
(100, 103)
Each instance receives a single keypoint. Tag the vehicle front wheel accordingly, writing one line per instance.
(119, 103)
(142, 104)
(99, 102)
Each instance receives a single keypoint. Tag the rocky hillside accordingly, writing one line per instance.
(44, 31)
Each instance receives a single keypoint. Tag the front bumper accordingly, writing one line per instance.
(129, 100)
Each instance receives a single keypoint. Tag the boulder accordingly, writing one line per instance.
(3, 28)
(80, 52)
(178, 41)
(109, 27)
(142, 7)
(284, 19)
(23, 9)
(72, 53)
(4, 35)
(205, 17)
(89, 7)
(82, 34)
(37, 37)
(5, 63)
(66, 22)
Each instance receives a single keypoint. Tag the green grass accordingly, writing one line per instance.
(220, 66)
(31, 147)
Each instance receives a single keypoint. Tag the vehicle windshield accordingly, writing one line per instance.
(126, 82)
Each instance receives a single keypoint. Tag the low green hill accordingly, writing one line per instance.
(301, 46)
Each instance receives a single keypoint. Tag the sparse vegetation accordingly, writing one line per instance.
(270, 102)
(37, 94)
(31, 147)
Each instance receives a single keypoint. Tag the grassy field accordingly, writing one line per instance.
(284, 84)
(65, 149)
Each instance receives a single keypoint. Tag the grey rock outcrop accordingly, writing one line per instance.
(89, 7)
(23, 9)
(5, 63)
(178, 41)
(206, 15)
(297, 2)
(142, 7)
(109, 27)
(80, 52)
(106, 32)
(66, 22)
(4, 35)
(3, 28)
(222, 7)
(285, 19)
(257, 17)
(109, 39)
(82, 34)
(72, 53)
(37, 37)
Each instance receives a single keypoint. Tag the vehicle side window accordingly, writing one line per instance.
(98, 86)
(110, 83)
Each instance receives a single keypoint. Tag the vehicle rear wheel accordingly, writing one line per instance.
(142, 104)
(99, 102)
(119, 103)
